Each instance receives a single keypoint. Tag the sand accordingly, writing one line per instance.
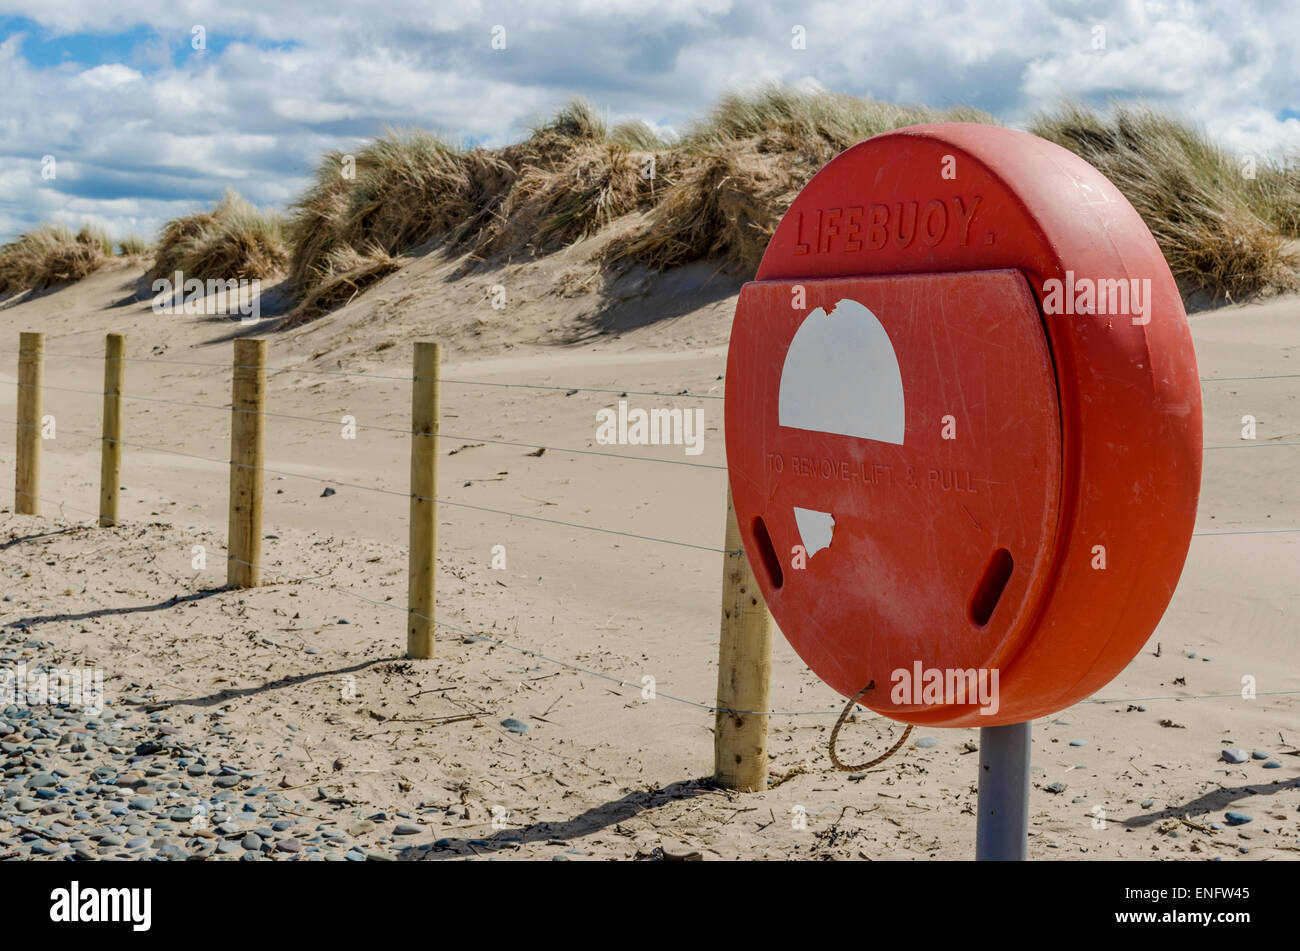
(600, 772)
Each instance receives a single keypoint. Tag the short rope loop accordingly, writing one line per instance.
(835, 732)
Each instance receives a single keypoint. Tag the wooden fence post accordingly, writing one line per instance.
(27, 464)
(110, 460)
(247, 440)
(744, 672)
(422, 580)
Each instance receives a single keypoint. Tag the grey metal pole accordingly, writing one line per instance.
(1002, 827)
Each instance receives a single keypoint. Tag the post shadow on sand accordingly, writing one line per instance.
(294, 680)
(29, 622)
(638, 297)
(31, 294)
(1215, 801)
(140, 289)
(19, 539)
(274, 304)
(583, 824)
(274, 301)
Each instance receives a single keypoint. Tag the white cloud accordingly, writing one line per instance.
(169, 127)
(109, 76)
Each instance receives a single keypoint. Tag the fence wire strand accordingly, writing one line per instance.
(568, 390)
(404, 495)
(624, 681)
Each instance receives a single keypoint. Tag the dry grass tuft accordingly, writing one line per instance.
(176, 236)
(348, 273)
(1221, 232)
(815, 125)
(579, 120)
(550, 207)
(1279, 195)
(724, 207)
(233, 241)
(406, 189)
(133, 246)
(49, 255)
(639, 137)
(738, 169)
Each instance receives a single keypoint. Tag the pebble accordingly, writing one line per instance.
(407, 828)
(1238, 818)
(1078, 742)
(926, 742)
(514, 726)
(1272, 764)
(251, 842)
(1233, 754)
(1260, 754)
(288, 845)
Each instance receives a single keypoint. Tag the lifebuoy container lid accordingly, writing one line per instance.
(954, 271)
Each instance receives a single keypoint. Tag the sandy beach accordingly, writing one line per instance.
(529, 735)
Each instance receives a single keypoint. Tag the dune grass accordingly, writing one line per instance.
(637, 136)
(815, 124)
(719, 190)
(1221, 231)
(401, 190)
(745, 162)
(572, 176)
(550, 206)
(233, 241)
(51, 254)
(576, 119)
(133, 246)
(347, 273)
(715, 193)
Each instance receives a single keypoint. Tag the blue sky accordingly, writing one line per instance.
(143, 126)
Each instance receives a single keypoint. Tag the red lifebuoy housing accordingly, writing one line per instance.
(963, 426)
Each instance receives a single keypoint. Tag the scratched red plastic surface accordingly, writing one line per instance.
(982, 219)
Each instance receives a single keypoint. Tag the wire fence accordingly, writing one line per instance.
(618, 680)
(634, 682)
